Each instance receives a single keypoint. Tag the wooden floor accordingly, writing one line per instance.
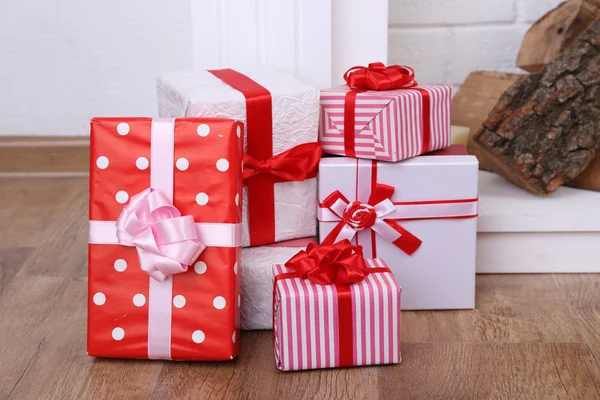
(531, 337)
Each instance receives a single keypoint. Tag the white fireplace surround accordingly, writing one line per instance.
(65, 62)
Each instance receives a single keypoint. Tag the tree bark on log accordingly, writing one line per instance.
(473, 102)
(545, 129)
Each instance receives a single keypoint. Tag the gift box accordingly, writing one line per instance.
(257, 280)
(333, 309)
(164, 238)
(281, 116)
(395, 122)
(418, 214)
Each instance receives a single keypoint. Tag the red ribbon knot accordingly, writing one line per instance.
(263, 167)
(359, 215)
(355, 216)
(379, 77)
(297, 164)
(341, 263)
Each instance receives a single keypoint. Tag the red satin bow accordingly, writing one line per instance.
(341, 263)
(379, 77)
(297, 164)
(350, 223)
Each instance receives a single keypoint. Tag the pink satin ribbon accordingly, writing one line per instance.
(166, 242)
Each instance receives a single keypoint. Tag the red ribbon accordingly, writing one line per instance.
(266, 169)
(297, 164)
(340, 264)
(379, 77)
(407, 242)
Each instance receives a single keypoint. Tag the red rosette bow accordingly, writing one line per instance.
(379, 77)
(341, 263)
(359, 215)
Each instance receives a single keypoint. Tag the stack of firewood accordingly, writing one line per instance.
(541, 130)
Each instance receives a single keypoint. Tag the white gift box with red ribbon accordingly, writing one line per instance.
(419, 215)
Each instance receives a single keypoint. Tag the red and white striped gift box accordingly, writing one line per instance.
(390, 125)
(308, 316)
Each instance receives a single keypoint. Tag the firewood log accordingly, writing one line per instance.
(545, 129)
(555, 31)
(474, 101)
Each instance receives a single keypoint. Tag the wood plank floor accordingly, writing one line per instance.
(531, 337)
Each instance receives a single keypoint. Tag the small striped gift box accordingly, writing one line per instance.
(389, 125)
(329, 326)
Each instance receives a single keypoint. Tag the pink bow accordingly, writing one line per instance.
(166, 242)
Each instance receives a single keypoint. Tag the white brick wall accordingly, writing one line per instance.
(444, 40)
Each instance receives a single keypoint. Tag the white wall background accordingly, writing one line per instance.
(65, 61)
(293, 36)
(444, 40)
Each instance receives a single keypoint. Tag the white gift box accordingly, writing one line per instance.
(295, 118)
(256, 309)
(434, 202)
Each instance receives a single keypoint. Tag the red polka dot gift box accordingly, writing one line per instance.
(281, 118)
(165, 238)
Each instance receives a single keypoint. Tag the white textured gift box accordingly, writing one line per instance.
(441, 273)
(256, 310)
(295, 108)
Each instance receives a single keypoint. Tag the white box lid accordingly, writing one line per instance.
(504, 207)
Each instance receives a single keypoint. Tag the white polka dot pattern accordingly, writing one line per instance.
(120, 265)
(203, 130)
(139, 300)
(182, 164)
(233, 337)
(202, 198)
(200, 267)
(99, 298)
(102, 162)
(123, 128)
(237, 199)
(142, 163)
(235, 268)
(222, 165)
(238, 131)
(198, 336)
(179, 301)
(219, 302)
(122, 197)
(118, 333)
